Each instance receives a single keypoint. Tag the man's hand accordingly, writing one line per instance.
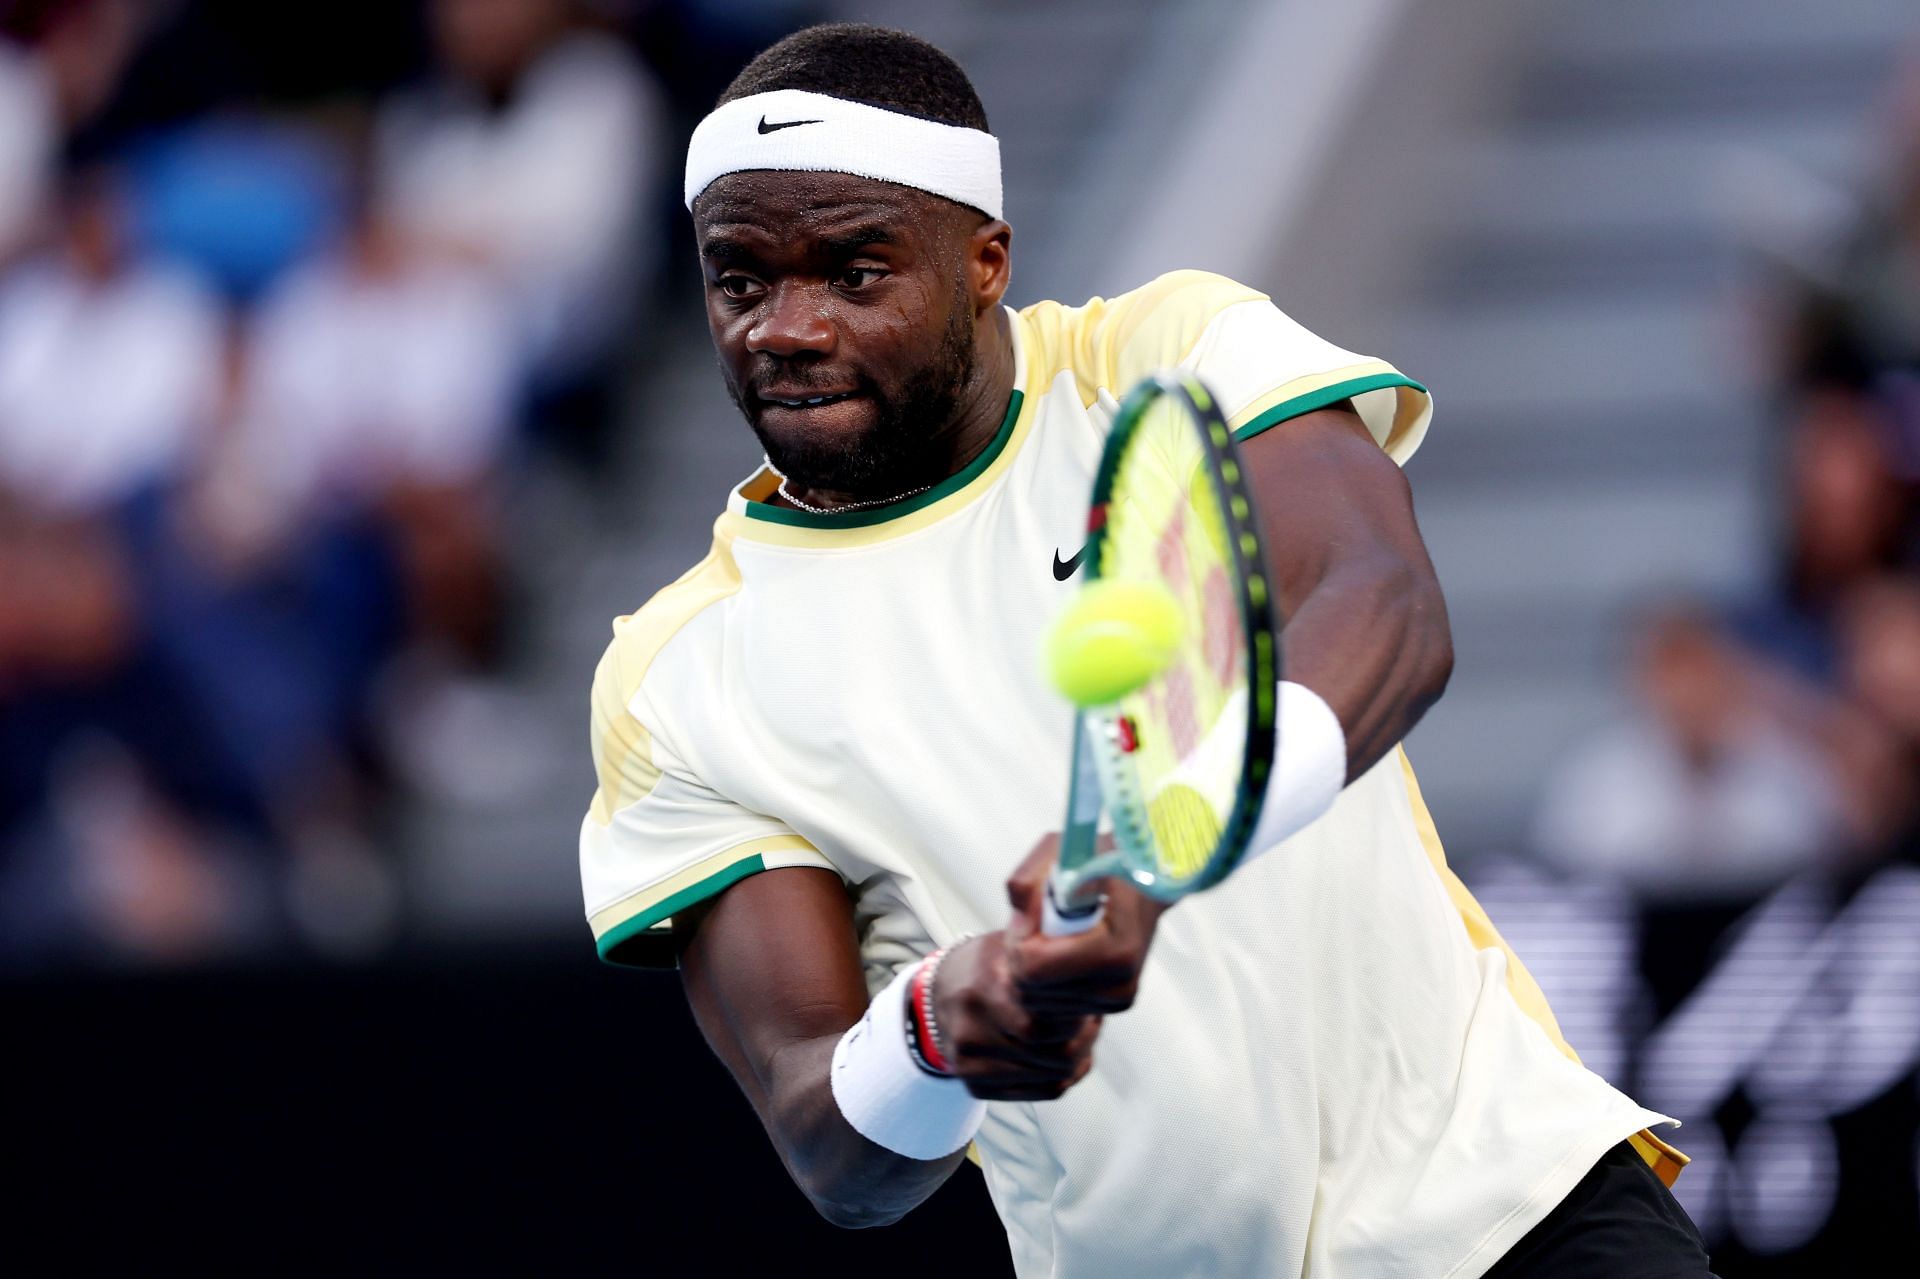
(1094, 972)
(1019, 1010)
(999, 1046)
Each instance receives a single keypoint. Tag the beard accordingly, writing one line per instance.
(902, 448)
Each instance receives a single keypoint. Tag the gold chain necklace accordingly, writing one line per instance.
(811, 509)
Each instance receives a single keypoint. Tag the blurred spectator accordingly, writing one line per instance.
(1881, 647)
(1845, 613)
(59, 62)
(109, 364)
(256, 420)
(534, 152)
(346, 516)
(363, 457)
(1700, 790)
(383, 379)
(1848, 515)
(109, 368)
(243, 198)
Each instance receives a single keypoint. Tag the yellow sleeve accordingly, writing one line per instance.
(1261, 365)
(656, 839)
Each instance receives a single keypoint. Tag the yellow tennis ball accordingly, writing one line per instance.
(1115, 636)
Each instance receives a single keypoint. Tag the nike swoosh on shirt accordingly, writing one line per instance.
(1064, 569)
(784, 124)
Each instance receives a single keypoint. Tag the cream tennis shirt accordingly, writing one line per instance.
(1335, 1067)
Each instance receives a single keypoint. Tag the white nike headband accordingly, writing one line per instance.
(812, 132)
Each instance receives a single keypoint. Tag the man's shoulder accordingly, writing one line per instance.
(639, 637)
(1109, 341)
(1184, 291)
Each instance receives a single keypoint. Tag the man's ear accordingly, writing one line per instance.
(990, 263)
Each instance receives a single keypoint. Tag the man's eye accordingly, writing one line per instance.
(738, 286)
(858, 277)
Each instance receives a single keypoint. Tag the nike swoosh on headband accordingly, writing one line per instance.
(947, 160)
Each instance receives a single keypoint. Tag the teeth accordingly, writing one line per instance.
(818, 399)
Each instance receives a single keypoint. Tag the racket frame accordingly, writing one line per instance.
(1103, 776)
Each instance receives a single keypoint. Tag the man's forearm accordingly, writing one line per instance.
(1372, 639)
(851, 1181)
(774, 980)
(776, 984)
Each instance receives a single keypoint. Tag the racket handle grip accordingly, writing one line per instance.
(1078, 917)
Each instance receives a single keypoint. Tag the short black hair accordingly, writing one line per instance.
(862, 63)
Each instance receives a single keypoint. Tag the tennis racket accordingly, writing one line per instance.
(1179, 764)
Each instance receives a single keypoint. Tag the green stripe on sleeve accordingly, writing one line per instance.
(1321, 398)
(627, 944)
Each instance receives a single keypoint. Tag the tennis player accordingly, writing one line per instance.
(822, 750)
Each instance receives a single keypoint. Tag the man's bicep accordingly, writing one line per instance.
(771, 961)
(1365, 624)
(1329, 496)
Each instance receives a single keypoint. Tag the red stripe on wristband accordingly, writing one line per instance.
(920, 1004)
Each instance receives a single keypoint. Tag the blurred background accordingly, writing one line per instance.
(353, 376)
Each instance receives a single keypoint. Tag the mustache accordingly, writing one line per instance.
(804, 379)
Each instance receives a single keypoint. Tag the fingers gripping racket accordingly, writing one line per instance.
(1170, 652)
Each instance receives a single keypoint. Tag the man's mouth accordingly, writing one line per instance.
(807, 401)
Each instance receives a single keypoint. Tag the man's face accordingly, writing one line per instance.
(843, 316)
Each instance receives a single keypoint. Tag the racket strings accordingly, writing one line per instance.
(1167, 526)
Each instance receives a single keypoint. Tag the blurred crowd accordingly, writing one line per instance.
(1772, 735)
(1725, 904)
(270, 358)
(280, 329)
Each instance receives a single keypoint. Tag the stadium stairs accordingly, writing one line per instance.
(1582, 272)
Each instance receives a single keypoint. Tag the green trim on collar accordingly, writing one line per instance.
(620, 944)
(1321, 398)
(905, 506)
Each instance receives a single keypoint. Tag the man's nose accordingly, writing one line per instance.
(794, 321)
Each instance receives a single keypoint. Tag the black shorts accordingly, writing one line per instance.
(1620, 1220)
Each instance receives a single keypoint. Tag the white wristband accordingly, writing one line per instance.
(1309, 767)
(887, 1098)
